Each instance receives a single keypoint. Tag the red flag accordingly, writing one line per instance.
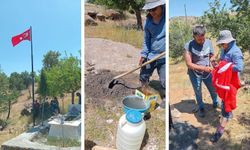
(19, 38)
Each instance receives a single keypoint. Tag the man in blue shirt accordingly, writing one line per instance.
(154, 42)
(197, 54)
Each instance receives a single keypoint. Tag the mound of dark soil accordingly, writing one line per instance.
(96, 86)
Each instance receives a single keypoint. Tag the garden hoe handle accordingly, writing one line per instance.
(114, 81)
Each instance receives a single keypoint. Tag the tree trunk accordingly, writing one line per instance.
(73, 98)
(8, 116)
(43, 110)
(138, 18)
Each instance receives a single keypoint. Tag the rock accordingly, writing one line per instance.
(92, 14)
(25, 112)
(90, 21)
(90, 68)
(113, 15)
(101, 17)
(109, 121)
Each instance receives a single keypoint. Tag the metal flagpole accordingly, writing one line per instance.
(32, 74)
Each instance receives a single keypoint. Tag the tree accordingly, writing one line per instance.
(242, 10)
(43, 87)
(4, 89)
(236, 19)
(179, 33)
(64, 77)
(136, 5)
(27, 79)
(51, 59)
(71, 71)
(6, 95)
(12, 95)
(16, 82)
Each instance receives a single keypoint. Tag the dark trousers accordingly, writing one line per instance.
(147, 71)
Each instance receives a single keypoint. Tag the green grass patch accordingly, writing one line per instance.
(111, 31)
(62, 142)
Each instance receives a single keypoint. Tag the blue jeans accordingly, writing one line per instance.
(227, 115)
(147, 71)
(196, 81)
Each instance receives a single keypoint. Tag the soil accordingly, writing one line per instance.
(96, 86)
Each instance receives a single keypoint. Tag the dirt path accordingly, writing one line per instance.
(106, 54)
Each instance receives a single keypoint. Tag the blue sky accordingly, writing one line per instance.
(193, 7)
(56, 25)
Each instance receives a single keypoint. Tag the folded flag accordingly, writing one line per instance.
(19, 38)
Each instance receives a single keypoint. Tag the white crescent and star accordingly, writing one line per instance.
(24, 36)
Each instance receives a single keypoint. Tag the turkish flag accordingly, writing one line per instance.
(19, 38)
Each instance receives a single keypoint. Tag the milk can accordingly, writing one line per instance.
(131, 130)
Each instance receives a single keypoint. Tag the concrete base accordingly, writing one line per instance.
(23, 142)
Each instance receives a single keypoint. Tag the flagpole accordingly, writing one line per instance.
(32, 75)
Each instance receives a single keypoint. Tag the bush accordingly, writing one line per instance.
(179, 34)
(3, 124)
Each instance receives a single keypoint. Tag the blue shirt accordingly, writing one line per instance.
(200, 53)
(233, 54)
(154, 37)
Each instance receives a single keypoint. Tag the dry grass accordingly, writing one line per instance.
(96, 127)
(116, 32)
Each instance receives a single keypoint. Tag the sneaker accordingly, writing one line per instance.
(215, 137)
(201, 112)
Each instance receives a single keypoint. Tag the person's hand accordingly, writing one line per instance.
(208, 69)
(141, 61)
(214, 63)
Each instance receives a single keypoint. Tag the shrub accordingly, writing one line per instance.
(3, 124)
(179, 34)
